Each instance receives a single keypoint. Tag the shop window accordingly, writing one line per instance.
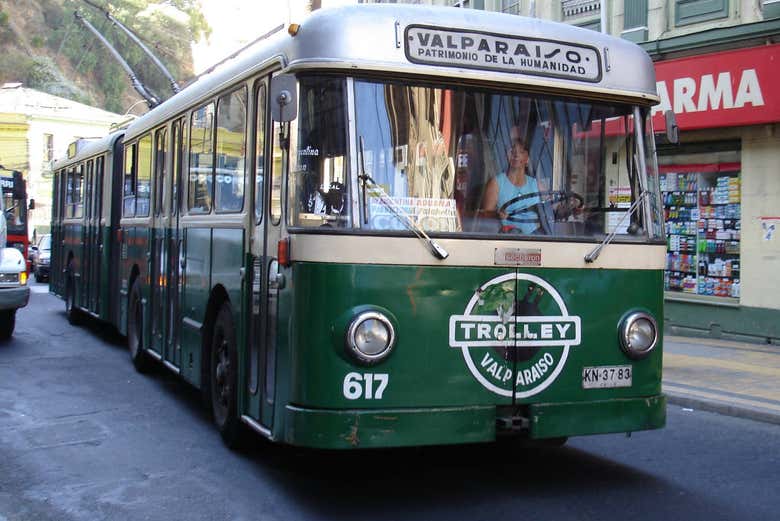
(703, 226)
(688, 12)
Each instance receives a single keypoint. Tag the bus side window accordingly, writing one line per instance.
(179, 138)
(260, 152)
(160, 168)
(78, 202)
(144, 172)
(88, 188)
(128, 207)
(231, 151)
(201, 159)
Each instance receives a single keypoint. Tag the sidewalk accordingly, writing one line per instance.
(733, 378)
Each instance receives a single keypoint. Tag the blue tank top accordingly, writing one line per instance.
(527, 210)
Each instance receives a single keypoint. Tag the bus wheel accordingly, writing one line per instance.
(223, 379)
(7, 323)
(73, 314)
(135, 331)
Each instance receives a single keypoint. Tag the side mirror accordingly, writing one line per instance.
(33, 248)
(32, 204)
(672, 130)
(284, 102)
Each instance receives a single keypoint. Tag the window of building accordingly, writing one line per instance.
(688, 12)
(635, 20)
(510, 6)
(583, 13)
(48, 147)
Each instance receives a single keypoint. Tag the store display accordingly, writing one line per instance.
(703, 222)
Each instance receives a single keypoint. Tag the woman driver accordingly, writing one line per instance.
(522, 215)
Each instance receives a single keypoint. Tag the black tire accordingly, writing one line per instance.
(135, 331)
(73, 314)
(7, 323)
(222, 381)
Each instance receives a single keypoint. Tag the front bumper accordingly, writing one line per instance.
(350, 429)
(14, 298)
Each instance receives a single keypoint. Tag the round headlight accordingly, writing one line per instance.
(638, 335)
(370, 337)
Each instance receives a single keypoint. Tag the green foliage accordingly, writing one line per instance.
(167, 27)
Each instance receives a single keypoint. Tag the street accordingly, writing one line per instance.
(85, 437)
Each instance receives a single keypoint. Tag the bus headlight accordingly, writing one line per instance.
(370, 337)
(638, 334)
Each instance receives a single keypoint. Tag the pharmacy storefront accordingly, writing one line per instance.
(721, 193)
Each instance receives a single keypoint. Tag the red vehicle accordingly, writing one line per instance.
(15, 199)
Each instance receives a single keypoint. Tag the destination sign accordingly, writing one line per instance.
(486, 51)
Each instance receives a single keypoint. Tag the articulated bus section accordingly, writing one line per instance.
(348, 247)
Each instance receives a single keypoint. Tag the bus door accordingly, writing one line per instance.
(264, 280)
(96, 236)
(160, 225)
(172, 246)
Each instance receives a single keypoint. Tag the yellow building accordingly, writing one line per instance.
(36, 128)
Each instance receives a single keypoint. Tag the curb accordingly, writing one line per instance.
(722, 407)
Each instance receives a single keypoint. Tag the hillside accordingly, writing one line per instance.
(43, 46)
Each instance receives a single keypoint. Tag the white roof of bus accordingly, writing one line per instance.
(91, 148)
(371, 38)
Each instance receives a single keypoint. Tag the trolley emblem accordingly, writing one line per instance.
(515, 334)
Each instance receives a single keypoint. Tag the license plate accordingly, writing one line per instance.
(606, 376)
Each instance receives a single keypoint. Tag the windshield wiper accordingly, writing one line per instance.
(594, 254)
(435, 249)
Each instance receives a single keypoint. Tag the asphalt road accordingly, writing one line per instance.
(84, 437)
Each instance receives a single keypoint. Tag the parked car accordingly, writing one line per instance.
(40, 258)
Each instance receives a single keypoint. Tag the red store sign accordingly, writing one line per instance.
(724, 89)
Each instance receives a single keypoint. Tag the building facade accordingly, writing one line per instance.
(716, 68)
(36, 128)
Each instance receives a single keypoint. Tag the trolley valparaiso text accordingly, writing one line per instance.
(387, 226)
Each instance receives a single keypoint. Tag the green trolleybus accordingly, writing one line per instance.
(387, 226)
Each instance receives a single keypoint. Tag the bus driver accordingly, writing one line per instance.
(513, 196)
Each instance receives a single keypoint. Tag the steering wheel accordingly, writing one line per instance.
(552, 197)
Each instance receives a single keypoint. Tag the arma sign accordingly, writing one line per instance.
(487, 51)
(723, 89)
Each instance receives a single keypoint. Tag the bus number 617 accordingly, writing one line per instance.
(370, 386)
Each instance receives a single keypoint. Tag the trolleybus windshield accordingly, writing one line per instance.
(436, 151)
